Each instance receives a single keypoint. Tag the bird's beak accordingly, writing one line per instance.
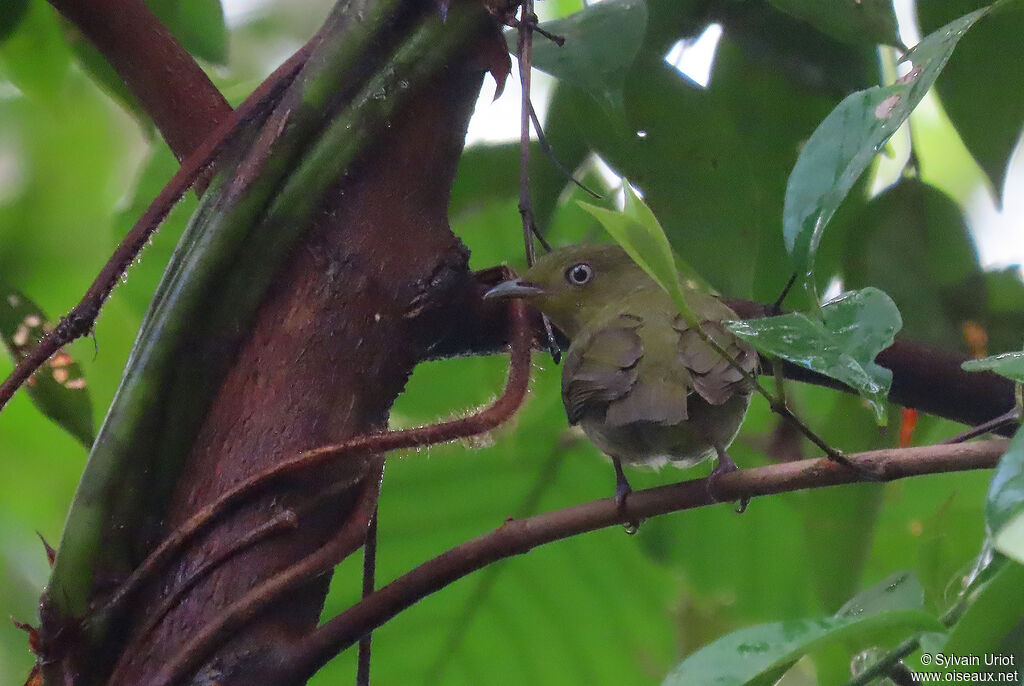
(514, 288)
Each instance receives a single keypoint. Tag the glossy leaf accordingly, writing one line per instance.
(843, 344)
(57, 388)
(747, 654)
(1010, 365)
(601, 42)
(975, 88)
(637, 230)
(1006, 490)
(851, 21)
(898, 591)
(845, 143)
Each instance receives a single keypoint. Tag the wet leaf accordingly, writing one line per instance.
(851, 21)
(843, 344)
(1006, 490)
(844, 144)
(898, 591)
(57, 388)
(759, 651)
(1010, 365)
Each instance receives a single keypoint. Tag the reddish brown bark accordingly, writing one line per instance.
(332, 347)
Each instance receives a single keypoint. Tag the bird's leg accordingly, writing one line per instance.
(724, 466)
(622, 489)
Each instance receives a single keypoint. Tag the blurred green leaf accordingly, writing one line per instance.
(912, 242)
(1010, 539)
(58, 387)
(851, 21)
(11, 14)
(33, 57)
(97, 66)
(1006, 490)
(847, 140)
(749, 653)
(198, 24)
(975, 88)
(996, 608)
(853, 329)
(898, 591)
(601, 42)
(1010, 365)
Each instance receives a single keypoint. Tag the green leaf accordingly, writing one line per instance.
(844, 144)
(33, 57)
(58, 387)
(974, 87)
(105, 76)
(1010, 365)
(637, 230)
(198, 24)
(912, 242)
(11, 14)
(853, 329)
(996, 608)
(898, 591)
(754, 652)
(1010, 539)
(601, 42)
(1006, 490)
(851, 21)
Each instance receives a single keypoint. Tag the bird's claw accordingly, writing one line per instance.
(623, 489)
(724, 466)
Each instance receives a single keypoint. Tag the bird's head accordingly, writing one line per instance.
(573, 284)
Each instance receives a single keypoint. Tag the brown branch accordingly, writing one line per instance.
(80, 319)
(182, 101)
(515, 537)
(485, 420)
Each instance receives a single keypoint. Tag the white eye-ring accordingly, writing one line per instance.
(579, 274)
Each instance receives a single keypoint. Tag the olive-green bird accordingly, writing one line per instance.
(638, 379)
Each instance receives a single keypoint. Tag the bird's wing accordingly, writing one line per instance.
(601, 367)
(713, 378)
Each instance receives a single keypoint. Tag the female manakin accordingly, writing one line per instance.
(640, 381)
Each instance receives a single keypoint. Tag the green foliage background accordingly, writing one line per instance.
(77, 168)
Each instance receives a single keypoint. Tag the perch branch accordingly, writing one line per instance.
(515, 537)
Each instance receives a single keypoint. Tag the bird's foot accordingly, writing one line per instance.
(623, 489)
(724, 466)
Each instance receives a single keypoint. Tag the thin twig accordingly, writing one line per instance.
(369, 584)
(546, 147)
(79, 321)
(519, 536)
(985, 427)
(525, 55)
(481, 422)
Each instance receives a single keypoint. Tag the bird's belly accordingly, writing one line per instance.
(685, 444)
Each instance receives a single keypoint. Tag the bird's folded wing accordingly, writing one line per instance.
(601, 367)
(714, 378)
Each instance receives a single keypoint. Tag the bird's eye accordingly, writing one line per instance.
(579, 274)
